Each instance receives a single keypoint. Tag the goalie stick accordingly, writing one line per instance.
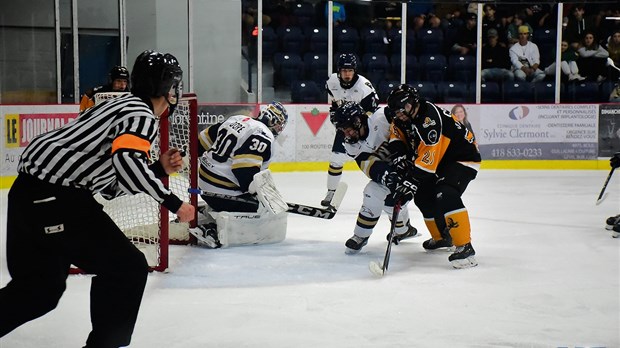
(603, 195)
(375, 267)
(294, 208)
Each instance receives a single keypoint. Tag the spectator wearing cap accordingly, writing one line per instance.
(512, 31)
(525, 58)
(466, 40)
(495, 59)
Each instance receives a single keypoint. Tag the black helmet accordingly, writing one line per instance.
(119, 72)
(401, 96)
(155, 74)
(347, 61)
(351, 115)
(275, 117)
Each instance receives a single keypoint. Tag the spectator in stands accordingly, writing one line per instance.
(468, 36)
(512, 31)
(525, 58)
(592, 58)
(490, 21)
(460, 113)
(450, 15)
(118, 79)
(495, 60)
(576, 26)
(422, 8)
(387, 15)
(541, 15)
(568, 65)
(418, 24)
(613, 47)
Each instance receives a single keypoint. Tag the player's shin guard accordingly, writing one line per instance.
(437, 241)
(458, 223)
(460, 230)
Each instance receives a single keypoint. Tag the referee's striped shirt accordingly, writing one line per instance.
(104, 150)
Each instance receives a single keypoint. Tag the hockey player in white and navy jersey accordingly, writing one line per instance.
(54, 221)
(365, 140)
(345, 85)
(232, 152)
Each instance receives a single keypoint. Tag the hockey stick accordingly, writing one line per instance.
(603, 194)
(375, 267)
(294, 208)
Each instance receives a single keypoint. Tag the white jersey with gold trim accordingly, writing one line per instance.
(234, 151)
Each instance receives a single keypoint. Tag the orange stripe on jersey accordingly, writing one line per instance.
(429, 156)
(129, 141)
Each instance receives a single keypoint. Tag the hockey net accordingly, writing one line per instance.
(149, 226)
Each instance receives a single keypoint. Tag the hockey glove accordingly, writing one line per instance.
(401, 165)
(391, 180)
(405, 191)
(614, 162)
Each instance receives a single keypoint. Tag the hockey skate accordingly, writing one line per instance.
(355, 244)
(206, 235)
(328, 198)
(431, 244)
(615, 231)
(463, 257)
(410, 233)
(612, 221)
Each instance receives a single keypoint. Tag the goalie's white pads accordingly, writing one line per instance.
(267, 193)
(236, 229)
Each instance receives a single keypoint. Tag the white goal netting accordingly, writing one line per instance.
(141, 218)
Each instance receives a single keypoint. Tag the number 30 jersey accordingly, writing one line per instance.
(231, 153)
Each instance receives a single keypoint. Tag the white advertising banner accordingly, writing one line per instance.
(546, 131)
(315, 133)
(21, 123)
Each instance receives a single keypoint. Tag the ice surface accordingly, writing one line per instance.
(548, 276)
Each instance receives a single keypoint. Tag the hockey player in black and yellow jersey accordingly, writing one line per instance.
(445, 159)
(118, 81)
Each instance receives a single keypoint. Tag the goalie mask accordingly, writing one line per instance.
(275, 117)
(347, 61)
(400, 97)
(351, 119)
(157, 74)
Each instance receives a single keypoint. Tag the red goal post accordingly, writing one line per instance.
(150, 226)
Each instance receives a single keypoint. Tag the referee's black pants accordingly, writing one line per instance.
(50, 227)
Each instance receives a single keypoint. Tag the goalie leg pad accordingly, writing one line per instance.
(267, 192)
(237, 229)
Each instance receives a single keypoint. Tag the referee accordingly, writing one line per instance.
(53, 220)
